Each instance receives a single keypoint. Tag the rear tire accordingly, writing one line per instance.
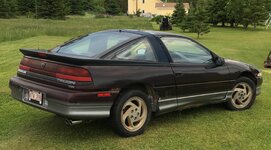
(243, 96)
(131, 113)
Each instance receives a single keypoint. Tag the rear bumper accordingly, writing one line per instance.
(64, 102)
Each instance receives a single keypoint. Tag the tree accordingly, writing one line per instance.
(234, 12)
(197, 21)
(254, 12)
(77, 7)
(123, 5)
(96, 6)
(193, 3)
(267, 4)
(217, 12)
(187, 23)
(26, 7)
(8, 8)
(53, 9)
(258, 12)
(112, 7)
(179, 13)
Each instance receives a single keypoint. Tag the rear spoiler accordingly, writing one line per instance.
(76, 60)
(43, 54)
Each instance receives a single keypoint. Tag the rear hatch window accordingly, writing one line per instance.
(93, 45)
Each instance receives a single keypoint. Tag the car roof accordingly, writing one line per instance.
(145, 32)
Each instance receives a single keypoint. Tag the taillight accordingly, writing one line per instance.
(73, 73)
(56, 70)
(26, 68)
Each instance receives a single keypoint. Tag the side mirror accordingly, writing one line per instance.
(219, 61)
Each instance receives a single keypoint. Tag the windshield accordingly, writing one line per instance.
(93, 45)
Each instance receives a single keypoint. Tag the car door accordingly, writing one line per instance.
(198, 78)
(144, 61)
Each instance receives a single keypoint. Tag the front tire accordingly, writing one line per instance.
(243, 96)
(131, 113)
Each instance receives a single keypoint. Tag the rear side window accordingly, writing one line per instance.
(95, 44)
(138, 51)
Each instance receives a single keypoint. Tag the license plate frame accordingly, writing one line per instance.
(34, 96)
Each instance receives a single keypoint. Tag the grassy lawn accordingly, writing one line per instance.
(208, 127)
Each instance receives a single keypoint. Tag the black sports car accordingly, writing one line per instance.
(129, 75)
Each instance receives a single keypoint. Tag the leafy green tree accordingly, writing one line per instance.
(26, 6)
(200, 23)
(217, 12)
(77, 7)
(246, 16)
(187, 23)
(123, 5)
(96, 6)
(87, 5)
(254, 12)
(197, 20)
(179, 13)
(234, 11)
(53, 9)
(193, 3)
(258, 12)
(267, 4)
(112, 7)
(8, 8)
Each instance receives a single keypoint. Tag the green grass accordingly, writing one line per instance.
(15, 29)
(208, 127)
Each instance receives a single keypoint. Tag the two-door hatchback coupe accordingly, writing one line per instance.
(128, 75)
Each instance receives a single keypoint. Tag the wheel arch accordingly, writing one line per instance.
(249, 75)
(146, 88)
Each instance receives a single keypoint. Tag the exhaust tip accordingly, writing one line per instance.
(73, 122)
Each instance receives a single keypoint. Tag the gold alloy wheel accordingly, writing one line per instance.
(134, 114)
(242, 95)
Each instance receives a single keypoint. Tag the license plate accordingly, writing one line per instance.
(35, 96)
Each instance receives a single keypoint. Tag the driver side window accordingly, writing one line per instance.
(186, 51)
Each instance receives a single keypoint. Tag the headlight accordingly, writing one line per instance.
(259, 74)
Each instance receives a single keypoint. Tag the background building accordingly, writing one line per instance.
(153, 7)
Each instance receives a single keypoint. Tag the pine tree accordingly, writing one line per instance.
(254, 12)
(26, 7)
(52, 9)
(217, 12)
(179, 13)
(112, 7)
(88, 5)
(197, 20)
(8, 8)
(96, 6)
(187, 23)
(123, 5)
(234, 11)
(246, 17)
(258, 12)
(76, 7)
(267, 4)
